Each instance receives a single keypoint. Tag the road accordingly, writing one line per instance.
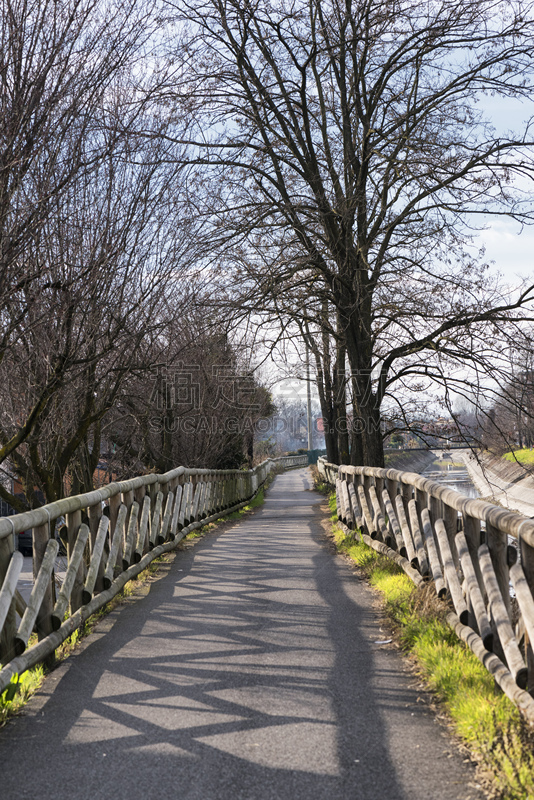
(256, 668)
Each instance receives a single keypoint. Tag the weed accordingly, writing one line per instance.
(333, 507)
(198, 533)
(14, 698)
(318, 484)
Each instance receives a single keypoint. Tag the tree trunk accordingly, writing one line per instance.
(339, 392)
(328, 415)
(366, 407)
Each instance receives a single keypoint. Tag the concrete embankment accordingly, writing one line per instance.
(410, 460)
(501, 481)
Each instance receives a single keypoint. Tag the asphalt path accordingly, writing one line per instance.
(254, 669)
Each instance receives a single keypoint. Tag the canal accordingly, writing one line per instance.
(451, 472)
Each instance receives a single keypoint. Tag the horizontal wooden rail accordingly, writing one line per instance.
(113, 533)
(466, 548)
(288, 462)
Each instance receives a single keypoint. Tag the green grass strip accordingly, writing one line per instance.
(523, 456)
(255, 503)
(14, 698)
(489, 724)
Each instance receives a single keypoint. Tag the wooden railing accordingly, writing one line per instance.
(288, 462)
(480, 558)
(113, 534)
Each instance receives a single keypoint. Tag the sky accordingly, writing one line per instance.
(510, 248)
(506, 243)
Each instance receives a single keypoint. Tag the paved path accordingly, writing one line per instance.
(251, 671)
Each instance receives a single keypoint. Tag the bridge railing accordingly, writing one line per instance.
(113, 533)
(479, 556)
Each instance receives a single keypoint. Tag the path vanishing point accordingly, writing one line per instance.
(254, 669)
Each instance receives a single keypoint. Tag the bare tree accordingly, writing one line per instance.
(103, 267)
(58, 65)
(508, 421)
(199, 405)
(352, 158)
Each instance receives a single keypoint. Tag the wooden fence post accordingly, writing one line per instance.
(406, 494)
(43, 623)
(7, 639)
(114, 505)
(450, 518)
(94, 513)
(527, 563)
(74, 520)
(497, 542)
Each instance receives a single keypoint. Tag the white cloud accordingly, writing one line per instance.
(509, 247)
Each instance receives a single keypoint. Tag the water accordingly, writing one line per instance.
(456, 476)
(452, 474)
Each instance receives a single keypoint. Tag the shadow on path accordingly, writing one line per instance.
(251, 670)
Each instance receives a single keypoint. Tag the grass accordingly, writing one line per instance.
(523, 456)
(255, 503)
(14, 698)
(487, 722)
(318, 485)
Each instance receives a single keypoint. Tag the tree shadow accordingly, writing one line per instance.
(247, 672)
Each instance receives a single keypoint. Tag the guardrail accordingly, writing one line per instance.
(113, 534)
(474, 552)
